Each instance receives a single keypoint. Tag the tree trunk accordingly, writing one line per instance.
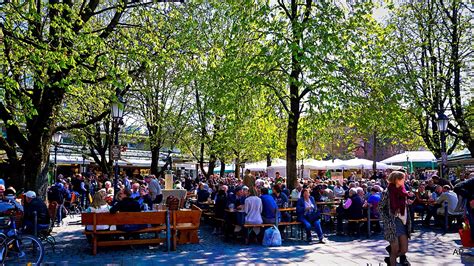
(15, 174)
(36, 167)
(155, 158)
(292, 133)
(222, 172)
(269, 160)
(374, 153)
(237, 167)
(212, 165)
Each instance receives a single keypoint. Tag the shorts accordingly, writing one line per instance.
(400, 228)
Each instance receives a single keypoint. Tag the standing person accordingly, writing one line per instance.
(249, 181)
(465, 190)
(396, 218)
(154, 189)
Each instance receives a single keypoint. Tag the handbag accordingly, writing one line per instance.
(272, 237)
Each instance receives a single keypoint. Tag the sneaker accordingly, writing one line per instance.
(321, 241)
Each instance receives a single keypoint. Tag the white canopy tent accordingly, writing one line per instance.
(361, 164)
(337, 164)
(411, 156)
(256, 166)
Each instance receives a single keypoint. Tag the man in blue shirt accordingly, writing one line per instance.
(269, 207)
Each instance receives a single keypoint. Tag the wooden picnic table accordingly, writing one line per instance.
(327, 203)
(233, 210)
(289, 209)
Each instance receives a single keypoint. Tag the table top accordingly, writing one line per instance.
(327, 203)
(289, 209)
(233, 210)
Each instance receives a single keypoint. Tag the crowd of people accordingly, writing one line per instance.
(258, 197)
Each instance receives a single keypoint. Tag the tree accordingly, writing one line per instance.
(432, 50)
(51, 49)
(306, 48)
(222, 63)
(160, 95)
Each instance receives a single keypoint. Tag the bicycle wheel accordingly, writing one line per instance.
(30, 250)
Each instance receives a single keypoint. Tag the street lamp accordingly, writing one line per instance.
(84, 150)
(302, 165)
(443, 122)
(56, 141)
(117, 114)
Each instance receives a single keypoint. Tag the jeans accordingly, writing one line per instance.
(317, 226)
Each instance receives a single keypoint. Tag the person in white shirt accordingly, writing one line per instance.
(296, 193)
(447, 196)
(338, 190)
(98, 205)
(253, 209)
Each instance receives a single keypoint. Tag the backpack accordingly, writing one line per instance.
(272, 237)
(55, 194)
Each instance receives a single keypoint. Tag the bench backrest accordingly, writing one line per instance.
(121, 218)
(187, 216)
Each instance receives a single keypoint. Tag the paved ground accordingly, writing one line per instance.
(426, 248)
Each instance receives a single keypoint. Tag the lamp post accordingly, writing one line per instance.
(56, 141)
(302, 165)
(84, 150)
(117, 114)
(443, 121)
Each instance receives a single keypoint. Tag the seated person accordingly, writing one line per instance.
(421, 197)
(434, 206)
(316, 193)
(202, 194)
(308, 214)
(351, 210)
(126, 204)
(448, 196)
(33, 204)
(374, 200)
(98, 205)
(269, 207)
(339, 190)
(296, 193)
(253, 209)
(237, 198)
(280, 199)
(144, 199)
(10, 195)
(135, 191)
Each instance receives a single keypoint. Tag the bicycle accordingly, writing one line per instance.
(16, 247)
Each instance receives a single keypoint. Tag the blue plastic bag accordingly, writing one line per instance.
(272, 237)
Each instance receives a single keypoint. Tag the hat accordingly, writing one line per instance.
(30, 194)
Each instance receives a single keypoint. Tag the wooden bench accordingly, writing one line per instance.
(156, 222)
(291, 224)
(185, 226)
